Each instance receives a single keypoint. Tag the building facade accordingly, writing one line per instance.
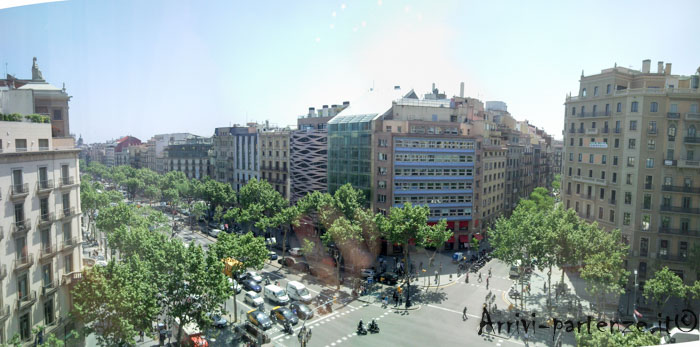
(630, 163)
(39, 230)
(190, 156)
(274, 158)
(235, 154)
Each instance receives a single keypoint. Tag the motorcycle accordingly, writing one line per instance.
(288, 328)
(373, 327)
(361, 329)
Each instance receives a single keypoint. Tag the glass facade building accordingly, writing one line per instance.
(350, 152)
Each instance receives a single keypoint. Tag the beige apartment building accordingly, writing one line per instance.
(630, 162)
(274, 158)
(40, 258)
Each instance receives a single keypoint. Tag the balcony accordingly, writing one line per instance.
(24, 262)
(69, 244)
(592, 131)
(673, 115)
(678, 209)
(684, 232)
(3, 271)
(26, 301)
(72, 278)
(19, 191)
(66, 182)
(692, 116)
(587, 196)
(594, 114)
(44, 187)
(4, 313)
(612, 201)
(605, 130)
(648, 186)
(601, 145)
(680, 189)
(617, 130)
(47, 252)
(693, 140)
(589, 180)
(674, 258)
(572, 131)
(691, 164)
(67, 212)
(45, 219)
(20, 228)
(669, 162)
(581, 130)
(651, 131)
(49, 288)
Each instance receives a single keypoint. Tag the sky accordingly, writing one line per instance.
(150, 67)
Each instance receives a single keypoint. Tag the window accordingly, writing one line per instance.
(612, 216)
(635, 106)
(388, 128)
(607, 110)
(626, 218)
(25, 327)
(633, 125)
(381, 171)
(614, 177)
(68, 262)
(654, 107)
(632, 143)
(673, 108)
(672, 132)
(628, 198)
(49, 316)
(600, 213)
(683, 249)
(617, 143)
(573, 111)
(595, 109)
(602, 194)
(644, 247)
(651, 144)
(692, 131)
(647, 202)
(619, 107)
(21, 145)
(663, 248)
(646, 222)
(571, 142)
(571, 156)
(58, 114)
(570, 170)
(650, 163)
(583, 93)
(630, 161)
(604, 159)
(595, 91)
(381, 198)
(580, 157)
(580, 142)
(608, 89)
(629, 178)
(590, 158)
(382, 156)
(383, 143)
(381, 184)
(615, 160)
(602, 175)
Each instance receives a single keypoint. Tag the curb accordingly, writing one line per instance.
(412, 308)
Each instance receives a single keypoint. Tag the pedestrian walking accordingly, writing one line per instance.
(487, 283)
(464, 313)
(466, 277)
(141, 336)
(396, 299)
(479, 277)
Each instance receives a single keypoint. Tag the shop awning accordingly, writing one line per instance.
(463, 238)
(451, 240)
(412, 241)
(479, 237)
(464, 224)
(451, 225)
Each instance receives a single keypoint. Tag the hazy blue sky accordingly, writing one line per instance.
(148, 67)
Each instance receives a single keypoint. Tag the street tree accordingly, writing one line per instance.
(663, 286)
(344, 235)
(134, 185)
(434, 237)
(632, 338)
(258, 204)
(247, 249)
(152, 193)
(197, 211)
(604, 269)
(93, 198)
(116, 301)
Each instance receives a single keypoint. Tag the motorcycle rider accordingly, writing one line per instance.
(360, 326)
(373, 325)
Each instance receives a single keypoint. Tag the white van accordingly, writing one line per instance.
(276, 294)
(298, 291)
(677, 336)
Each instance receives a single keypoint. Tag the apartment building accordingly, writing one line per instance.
(189, 156)
(558, 156)
(40, 260)
(235, 156)
(36, 96)
(309, 151)
(630, 163)
(274, 147)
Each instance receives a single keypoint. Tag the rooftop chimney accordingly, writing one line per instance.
(433, 88)
(397, 87)
(346, 103)
(461, 89)
(660, 68)
(646, 65)
(312, 111)
(667, 71)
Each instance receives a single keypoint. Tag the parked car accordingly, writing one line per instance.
(368, 273)
(249, 285)
(234, 285)
(387, 278)
(253, 276)
(282, 314)
(301, 310)
(217, 320)
(259, 318)
(296, 252)
(215, 232)
(253, 299)
(272, 255)
(100, 260)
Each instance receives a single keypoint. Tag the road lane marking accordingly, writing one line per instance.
(449, 310)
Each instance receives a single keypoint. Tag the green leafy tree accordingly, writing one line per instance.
(693, 291)
(197, 211)
(605, 338)
(118, 301)
(93, 198)
(345, 235)
(664, 285)
(247, 249)
(434, 236)
(405, 223)
(259, 203)
(604, 269)
(152, 193)
(307, 247)
(218, 214)
(217, 194)
(134, 185)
